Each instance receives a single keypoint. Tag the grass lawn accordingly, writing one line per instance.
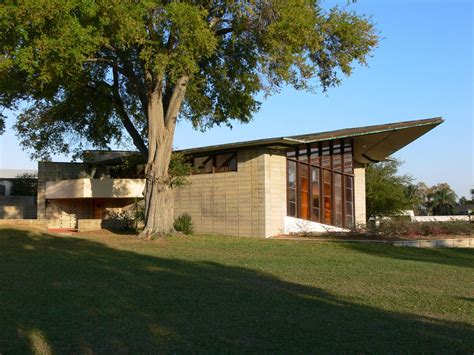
(113, 293)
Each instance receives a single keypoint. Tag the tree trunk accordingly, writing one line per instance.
(159, 209)
(159, 203)
(158, 194)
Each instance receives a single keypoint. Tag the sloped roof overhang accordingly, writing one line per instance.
(371, 143)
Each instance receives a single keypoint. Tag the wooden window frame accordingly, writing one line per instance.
(342, 142)
(213, 157)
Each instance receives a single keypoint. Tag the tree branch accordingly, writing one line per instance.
(224, 31)
(127, 71)
(100, 60)
(174, 104)
(127, 122)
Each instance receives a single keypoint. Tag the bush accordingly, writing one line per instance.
(131, 219)
(125, 218)
(25, 184)
(400, 228)
(184, 224)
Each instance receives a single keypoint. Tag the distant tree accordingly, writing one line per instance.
(386, 192)
(25, 184)
(418, 195)
(463, 201)
(96, 72)
(441, 200)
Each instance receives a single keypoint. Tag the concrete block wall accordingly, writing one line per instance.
(230, 203)
(66, 213)
(11, 212)
(359, 195)
(29, 223)
(17, 207)
(89, 224)
(251, 201)
(275, 192)
(50, 171)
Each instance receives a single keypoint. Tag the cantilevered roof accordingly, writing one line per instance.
(371, 143)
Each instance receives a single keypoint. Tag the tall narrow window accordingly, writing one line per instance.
(315, 195)
(291, 153)
(304, 191)
(347, 156)
(303, 153)
(349, 201)
(327, 191)
(314, 154)
(336, 157)
(326, 155)
(338, 200)
(321, 182)
(291, 188)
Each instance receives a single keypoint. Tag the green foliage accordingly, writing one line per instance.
(25, 184)
(125, 218)
(401, 228)
(385, 190)
(179, 170)
(441, 200)
(418, 195)
(131, 219)
(134, 166)
(82, 71)
(184, 224)
(139, 213)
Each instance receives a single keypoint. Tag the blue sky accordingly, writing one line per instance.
(423, 68)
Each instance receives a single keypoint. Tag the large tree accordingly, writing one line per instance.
(97, 71)
(441, 200)
(387, 192)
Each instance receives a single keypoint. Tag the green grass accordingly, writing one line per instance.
(114, 293)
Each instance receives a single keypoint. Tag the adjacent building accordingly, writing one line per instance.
(260, 188)
(17, 195)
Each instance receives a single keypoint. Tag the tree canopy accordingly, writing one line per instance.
(25, 184)
(441, 200)
(386, 192)
(83, 69)
(95, 72)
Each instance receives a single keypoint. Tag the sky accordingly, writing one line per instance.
(422, 68)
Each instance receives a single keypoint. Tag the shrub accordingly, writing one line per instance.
(125, 218)
(184, 224)
(400, 228)
(131, 219)
(25, 184)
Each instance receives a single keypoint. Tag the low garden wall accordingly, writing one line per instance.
(97, 224)
(34, 223)
(440, 243)
(439, 218)
(17, 207)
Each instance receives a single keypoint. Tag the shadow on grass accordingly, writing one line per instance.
(462, 257)
(74, 295)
